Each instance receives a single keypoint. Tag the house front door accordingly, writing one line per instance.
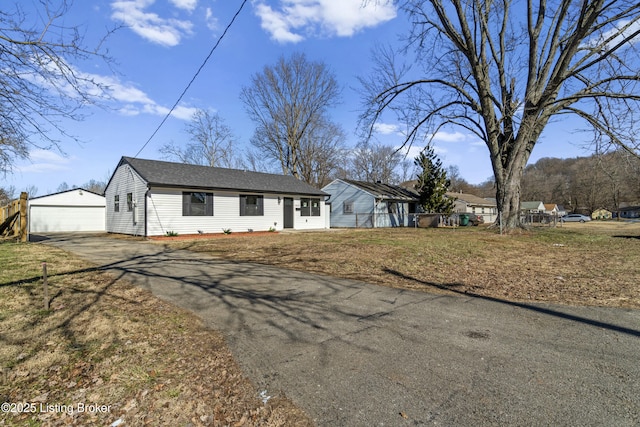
(288, 212)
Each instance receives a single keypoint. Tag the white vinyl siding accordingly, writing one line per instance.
(164, 213)
(126, 181)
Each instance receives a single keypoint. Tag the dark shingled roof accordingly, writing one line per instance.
(169, 174)
(385, 191)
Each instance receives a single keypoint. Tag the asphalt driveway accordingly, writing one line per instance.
(354, 354)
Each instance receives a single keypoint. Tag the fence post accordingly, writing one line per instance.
(22, 232)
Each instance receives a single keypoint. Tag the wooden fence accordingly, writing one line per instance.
(13, 219)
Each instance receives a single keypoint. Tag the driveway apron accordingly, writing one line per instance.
(355, 354)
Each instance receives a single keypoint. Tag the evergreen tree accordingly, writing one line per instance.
(433, 183)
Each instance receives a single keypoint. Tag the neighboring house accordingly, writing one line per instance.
(370, 205)
(551, 209)
(532, 207)
(76, 210)
(601, 214)
(152, 198)
(561, 210)
(630, 212)
(468, 203)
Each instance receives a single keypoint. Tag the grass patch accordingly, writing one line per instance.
(104, 342)
(580, 264)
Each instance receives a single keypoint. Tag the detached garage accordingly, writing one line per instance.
(73, 210)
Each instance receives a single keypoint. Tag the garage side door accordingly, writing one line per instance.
(66, 218)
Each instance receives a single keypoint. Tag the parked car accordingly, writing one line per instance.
(575, 218)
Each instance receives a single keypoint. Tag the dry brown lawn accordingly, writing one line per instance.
(109, 344)
(596, 263)
(103, 343)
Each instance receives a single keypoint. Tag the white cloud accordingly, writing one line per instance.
(162, 31)
(276, 24)
(180, 112)
(211, 19)
(130, 100)
(293, 19)
(409, 152)
(43, 161)
(188, 5)
(609, 39)
(443, 136)
(386, 128)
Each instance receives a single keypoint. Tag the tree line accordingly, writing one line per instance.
(581, 184)
(499, 70)
(289, 103)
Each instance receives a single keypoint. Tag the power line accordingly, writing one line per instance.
(194, 77)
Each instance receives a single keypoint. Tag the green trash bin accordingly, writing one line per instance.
(464, 220)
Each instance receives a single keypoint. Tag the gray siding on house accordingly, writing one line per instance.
(393, 214)
(342, 193)
(368, 210)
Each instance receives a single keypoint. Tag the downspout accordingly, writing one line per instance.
(146, 194)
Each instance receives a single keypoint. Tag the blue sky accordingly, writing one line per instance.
(162, 43)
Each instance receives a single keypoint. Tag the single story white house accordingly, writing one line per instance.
(153, 198)
(76, 210)
(536, 207)
(370, 205)
(468, 203)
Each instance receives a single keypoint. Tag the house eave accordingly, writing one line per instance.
(152, 185)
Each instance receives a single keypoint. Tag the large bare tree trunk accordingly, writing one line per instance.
(508, 198)
(501, 70)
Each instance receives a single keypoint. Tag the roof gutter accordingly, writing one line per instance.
(236, 190)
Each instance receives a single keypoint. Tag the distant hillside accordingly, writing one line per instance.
(607, 181)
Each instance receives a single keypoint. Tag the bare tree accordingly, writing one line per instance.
(375, 162)
(31, 190)
(39, 86)
(321, 153)
(287, 101)
(211, 142)
(7, 194)
(503, 70)
(95, 186)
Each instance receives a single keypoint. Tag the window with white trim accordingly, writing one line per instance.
(347, 207)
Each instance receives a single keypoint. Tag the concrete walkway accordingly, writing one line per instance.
(353, 354)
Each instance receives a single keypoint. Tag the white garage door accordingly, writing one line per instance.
(66, 218)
